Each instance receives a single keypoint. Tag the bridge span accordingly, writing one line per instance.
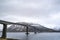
(5, 23)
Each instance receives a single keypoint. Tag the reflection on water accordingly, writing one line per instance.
(32, 36)
(27, 38)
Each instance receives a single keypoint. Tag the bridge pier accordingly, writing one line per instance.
(27, 31)
(4, 31)
(35, 30)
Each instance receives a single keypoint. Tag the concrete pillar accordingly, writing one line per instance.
(27, 31)
(4, 31)
(35, 30)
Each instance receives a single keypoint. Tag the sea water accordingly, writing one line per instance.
(32, 36)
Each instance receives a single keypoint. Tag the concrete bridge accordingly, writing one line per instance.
(5, 23)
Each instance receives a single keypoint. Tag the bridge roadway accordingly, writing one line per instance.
(5, 23)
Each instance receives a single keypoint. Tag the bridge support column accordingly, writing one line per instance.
(35, 30)
(27, 31)
(4, 31)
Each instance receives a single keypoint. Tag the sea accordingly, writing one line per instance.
(33, 36)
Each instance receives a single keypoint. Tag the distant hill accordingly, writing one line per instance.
(20, 28)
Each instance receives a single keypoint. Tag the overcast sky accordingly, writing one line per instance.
(44, 12)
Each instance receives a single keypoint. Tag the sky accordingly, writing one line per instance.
(44, 12)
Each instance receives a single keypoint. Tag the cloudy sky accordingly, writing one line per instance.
(44, 12)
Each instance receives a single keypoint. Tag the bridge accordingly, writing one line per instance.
(5, 23)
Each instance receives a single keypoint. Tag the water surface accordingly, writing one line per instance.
(32, 36)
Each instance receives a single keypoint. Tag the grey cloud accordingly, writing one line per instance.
(26, 8)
